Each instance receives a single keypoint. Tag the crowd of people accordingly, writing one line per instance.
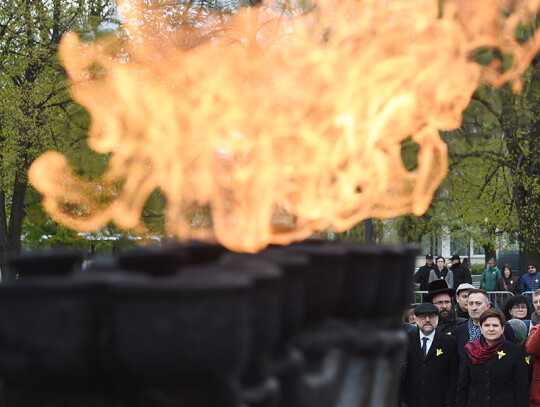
(464, 352)
(492, 278)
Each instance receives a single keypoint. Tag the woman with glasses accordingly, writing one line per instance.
(518, 307)
(494, 371)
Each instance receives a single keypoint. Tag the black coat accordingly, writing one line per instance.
(449, 327)
(462, 314)
(430, 382)
(503, 381)
(461, 274)
(422, 276)
(510, 284)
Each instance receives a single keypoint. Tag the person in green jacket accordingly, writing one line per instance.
(490, 276)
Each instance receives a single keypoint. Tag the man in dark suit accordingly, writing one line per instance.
(431, 371)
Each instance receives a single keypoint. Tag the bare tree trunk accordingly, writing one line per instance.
(489, 253)
(528, 230)
(526, 197)
(10, 236)
(3, 235)
(525, 178)
(17, 211)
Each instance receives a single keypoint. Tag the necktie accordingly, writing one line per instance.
(424, 346)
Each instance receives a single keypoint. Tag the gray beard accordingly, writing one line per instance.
(427, 334)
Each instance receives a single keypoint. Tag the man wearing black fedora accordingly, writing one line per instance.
(440, 295)
(431, 370)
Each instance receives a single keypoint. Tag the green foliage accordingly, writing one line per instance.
(409, 154)
(493, 184)
(153, 215)
(40, 231)
(477, 269)
(36, 110)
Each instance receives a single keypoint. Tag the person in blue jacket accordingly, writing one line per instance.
(530, 281)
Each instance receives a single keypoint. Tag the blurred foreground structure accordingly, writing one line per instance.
(195, 325)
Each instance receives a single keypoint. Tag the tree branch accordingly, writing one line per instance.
(493, 156)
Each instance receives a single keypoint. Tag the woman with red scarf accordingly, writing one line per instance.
(494, 372)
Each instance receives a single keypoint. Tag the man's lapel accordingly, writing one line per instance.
(435, 345)
(416, 344)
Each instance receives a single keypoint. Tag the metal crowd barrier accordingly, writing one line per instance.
(419, 296)
(528, 294)
(497, 298)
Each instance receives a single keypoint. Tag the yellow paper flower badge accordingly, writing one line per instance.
(501, 354)
(528, 360)
(439, 352)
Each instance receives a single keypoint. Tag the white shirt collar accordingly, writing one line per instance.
(431, 336)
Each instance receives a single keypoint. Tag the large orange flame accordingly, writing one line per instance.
(281, 120)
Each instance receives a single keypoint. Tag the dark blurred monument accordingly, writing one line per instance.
(194, 325)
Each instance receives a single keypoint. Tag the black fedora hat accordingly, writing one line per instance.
(438, 287)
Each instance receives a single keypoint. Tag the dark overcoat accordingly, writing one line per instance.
(501, 382)
(430, 382)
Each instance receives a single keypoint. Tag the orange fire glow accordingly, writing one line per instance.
(281, 120)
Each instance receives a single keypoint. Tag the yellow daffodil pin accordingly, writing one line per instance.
(528, 360)
(501, 354)
(439, 352)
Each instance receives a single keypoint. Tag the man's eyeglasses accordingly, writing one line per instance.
(531, 267)
(522, 306)
(426, 316)
(439, 303)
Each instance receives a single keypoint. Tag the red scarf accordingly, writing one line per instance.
(480, 352)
